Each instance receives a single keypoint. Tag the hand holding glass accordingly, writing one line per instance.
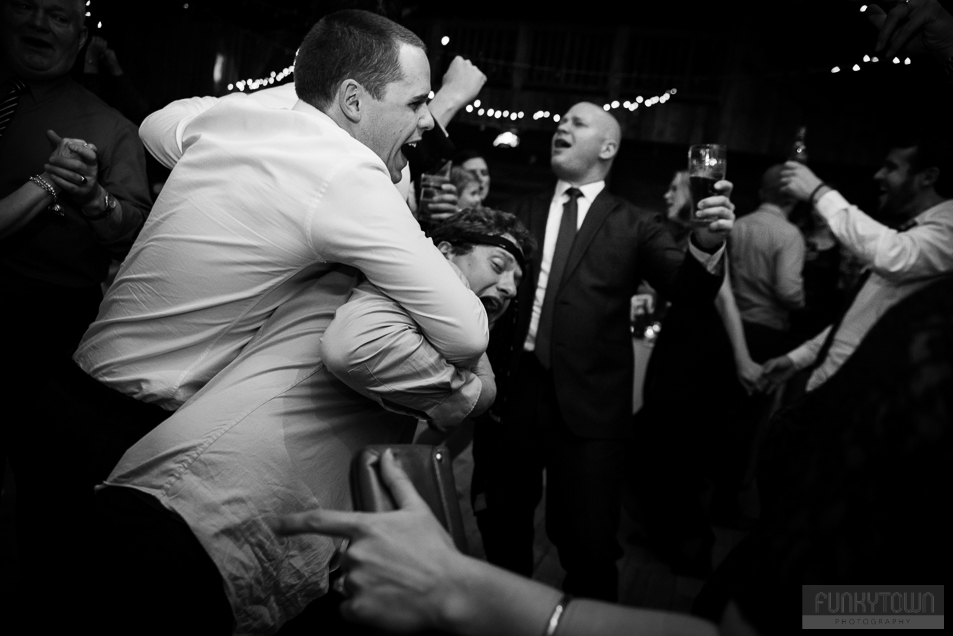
(431, 186)
(707, 165)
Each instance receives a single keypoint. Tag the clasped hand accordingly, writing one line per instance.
(73, 167)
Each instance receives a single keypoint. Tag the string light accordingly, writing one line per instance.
(871, 59)
(630, 105)
(255, 84)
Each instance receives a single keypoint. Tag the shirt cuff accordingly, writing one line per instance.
(802, 357)
(457, 407)
(831, 203)
(713, 263)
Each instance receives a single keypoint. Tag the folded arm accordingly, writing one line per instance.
(377, 350)
(364, 223)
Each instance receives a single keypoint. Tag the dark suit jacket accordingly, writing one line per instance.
(616, 247)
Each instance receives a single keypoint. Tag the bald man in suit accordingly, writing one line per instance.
(566, 405)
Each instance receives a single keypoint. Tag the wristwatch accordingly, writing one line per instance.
(109, 204)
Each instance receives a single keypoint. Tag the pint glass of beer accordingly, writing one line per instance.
(707, 165)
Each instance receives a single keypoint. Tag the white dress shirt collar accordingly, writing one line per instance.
(589, 191)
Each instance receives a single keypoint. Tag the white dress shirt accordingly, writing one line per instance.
(273, 433)
(589, 192)
(261, 199)
(901, 263)
(712, 262)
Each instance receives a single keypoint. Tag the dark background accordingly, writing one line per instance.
(781, 54)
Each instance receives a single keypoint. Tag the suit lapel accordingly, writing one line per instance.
(595, 217)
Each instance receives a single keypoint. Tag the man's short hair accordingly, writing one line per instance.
(933, 150)
(350, 44)
(482, 221)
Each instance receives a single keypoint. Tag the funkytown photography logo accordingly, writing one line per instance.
(872, 607)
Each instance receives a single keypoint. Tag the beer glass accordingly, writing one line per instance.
(707, 165)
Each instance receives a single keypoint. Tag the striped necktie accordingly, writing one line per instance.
(12, 89)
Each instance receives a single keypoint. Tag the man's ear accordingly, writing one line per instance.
(445, 248)
(928, 177)
(609, 149)
(350, 100)
(83, 34)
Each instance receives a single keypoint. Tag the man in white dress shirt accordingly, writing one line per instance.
(910, 247)
(262, 200)
(274, 433)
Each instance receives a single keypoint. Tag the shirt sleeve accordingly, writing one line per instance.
(789, 282)
(805, 355)
(920, 252)
(374, 348)
(360, 220)
(162, 131)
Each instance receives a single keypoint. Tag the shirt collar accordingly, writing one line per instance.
(589, 191)
(37, 89)
(771, 208)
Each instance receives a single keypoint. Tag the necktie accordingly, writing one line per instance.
(851, 297)
(567, 232)
(12, 89)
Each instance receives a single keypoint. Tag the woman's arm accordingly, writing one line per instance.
(749, 371)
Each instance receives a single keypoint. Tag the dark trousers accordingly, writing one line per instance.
(68, 441)
(152, 576)
(582, 487)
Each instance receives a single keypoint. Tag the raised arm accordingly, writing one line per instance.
(376, 349)
(920, 252)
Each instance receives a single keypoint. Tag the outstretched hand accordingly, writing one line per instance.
(398, 564)
(777, 371)
(750, 375)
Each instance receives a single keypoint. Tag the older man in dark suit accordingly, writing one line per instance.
(568, 395)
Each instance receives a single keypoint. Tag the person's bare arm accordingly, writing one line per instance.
(403, 573)
(461, 84)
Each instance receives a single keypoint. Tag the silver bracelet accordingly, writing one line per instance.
(557, 615)
(54, 207)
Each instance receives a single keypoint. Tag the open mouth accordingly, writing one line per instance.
(560, 143)
(492, 305)
(36, 43)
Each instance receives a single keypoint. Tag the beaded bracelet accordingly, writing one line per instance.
(557, 615)
(43, 183)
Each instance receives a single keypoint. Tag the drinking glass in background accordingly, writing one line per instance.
(431, 186)
(707, 165)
